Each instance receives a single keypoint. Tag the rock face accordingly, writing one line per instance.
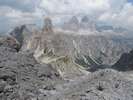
(17, 33)
(10, 42)
(48, 26)
(21, 75)
(23, 32)
(125, 63)
(101, 85)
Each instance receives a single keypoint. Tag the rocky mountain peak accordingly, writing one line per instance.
(48, 26)
(85, 19)
(74, 20)
(17, 33)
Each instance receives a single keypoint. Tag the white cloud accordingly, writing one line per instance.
(10, 18)
(73, 6)
(123, 18)
(116, 12)
(81, 6)
(22, 5)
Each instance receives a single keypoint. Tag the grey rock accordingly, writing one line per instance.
(20, 74)
(125, 63)
(48, 26)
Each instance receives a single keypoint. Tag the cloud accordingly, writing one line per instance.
(123, 18)
(23, 5)
(16, 12)
(80, 6)
(73, 6)
(115, 12)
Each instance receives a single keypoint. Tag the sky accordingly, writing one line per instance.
(130, 1)
(18, 12)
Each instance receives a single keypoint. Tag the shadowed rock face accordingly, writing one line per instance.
(125, 63)
(18, 33)
(23, 32)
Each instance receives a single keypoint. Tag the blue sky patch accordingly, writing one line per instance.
(131, 1)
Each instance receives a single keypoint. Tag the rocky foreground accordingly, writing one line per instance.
(23, 78)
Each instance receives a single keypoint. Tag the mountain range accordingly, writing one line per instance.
(65, 63)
